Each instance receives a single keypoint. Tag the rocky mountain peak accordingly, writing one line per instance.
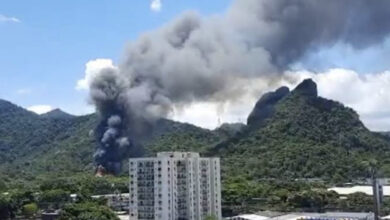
(265, 106)
(307, 87)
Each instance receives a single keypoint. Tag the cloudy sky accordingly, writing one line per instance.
(50, 50)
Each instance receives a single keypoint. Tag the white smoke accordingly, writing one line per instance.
(92, 68)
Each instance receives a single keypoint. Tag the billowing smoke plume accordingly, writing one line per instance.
(196, 59)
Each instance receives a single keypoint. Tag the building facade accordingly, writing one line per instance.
(175, 186)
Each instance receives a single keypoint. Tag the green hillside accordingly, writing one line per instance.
(56, 144)
(295, 145)
(305, 136)
(289, 135)
(32, 145)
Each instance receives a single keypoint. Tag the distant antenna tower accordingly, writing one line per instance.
(219, 121)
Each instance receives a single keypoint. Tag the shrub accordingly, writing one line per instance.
(29, 210)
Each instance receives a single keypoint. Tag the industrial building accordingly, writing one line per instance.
(175, 185)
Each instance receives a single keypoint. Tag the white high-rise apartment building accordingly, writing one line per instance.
(175, 186)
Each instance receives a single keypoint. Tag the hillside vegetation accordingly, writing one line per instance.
(306, 136)
(56, 144)
(295, 145)
(33, 145)
(289, 135)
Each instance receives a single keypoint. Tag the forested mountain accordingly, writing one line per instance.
(386, 133)
(302, 135)
(57, 114)
(289, 135)
(58, 144)
(32, 144)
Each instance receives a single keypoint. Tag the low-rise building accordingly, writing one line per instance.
(366, 189)
(116, 201)
(249, 217)
(310, 216)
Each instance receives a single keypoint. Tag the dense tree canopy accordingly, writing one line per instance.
(87, 211)
(280, 160)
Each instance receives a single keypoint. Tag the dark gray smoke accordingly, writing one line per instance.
(287, 29)
(196, 59)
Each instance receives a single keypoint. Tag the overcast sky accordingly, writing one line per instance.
(50, 49)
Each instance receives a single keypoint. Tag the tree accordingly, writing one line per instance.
(211, 217)
(359, 202)
(3, 185)
(55, 197)
(18, 198)
(313, 200)
(87, 211)
(29, 210)
(5, 210)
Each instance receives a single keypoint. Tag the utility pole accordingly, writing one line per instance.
(377, 192)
